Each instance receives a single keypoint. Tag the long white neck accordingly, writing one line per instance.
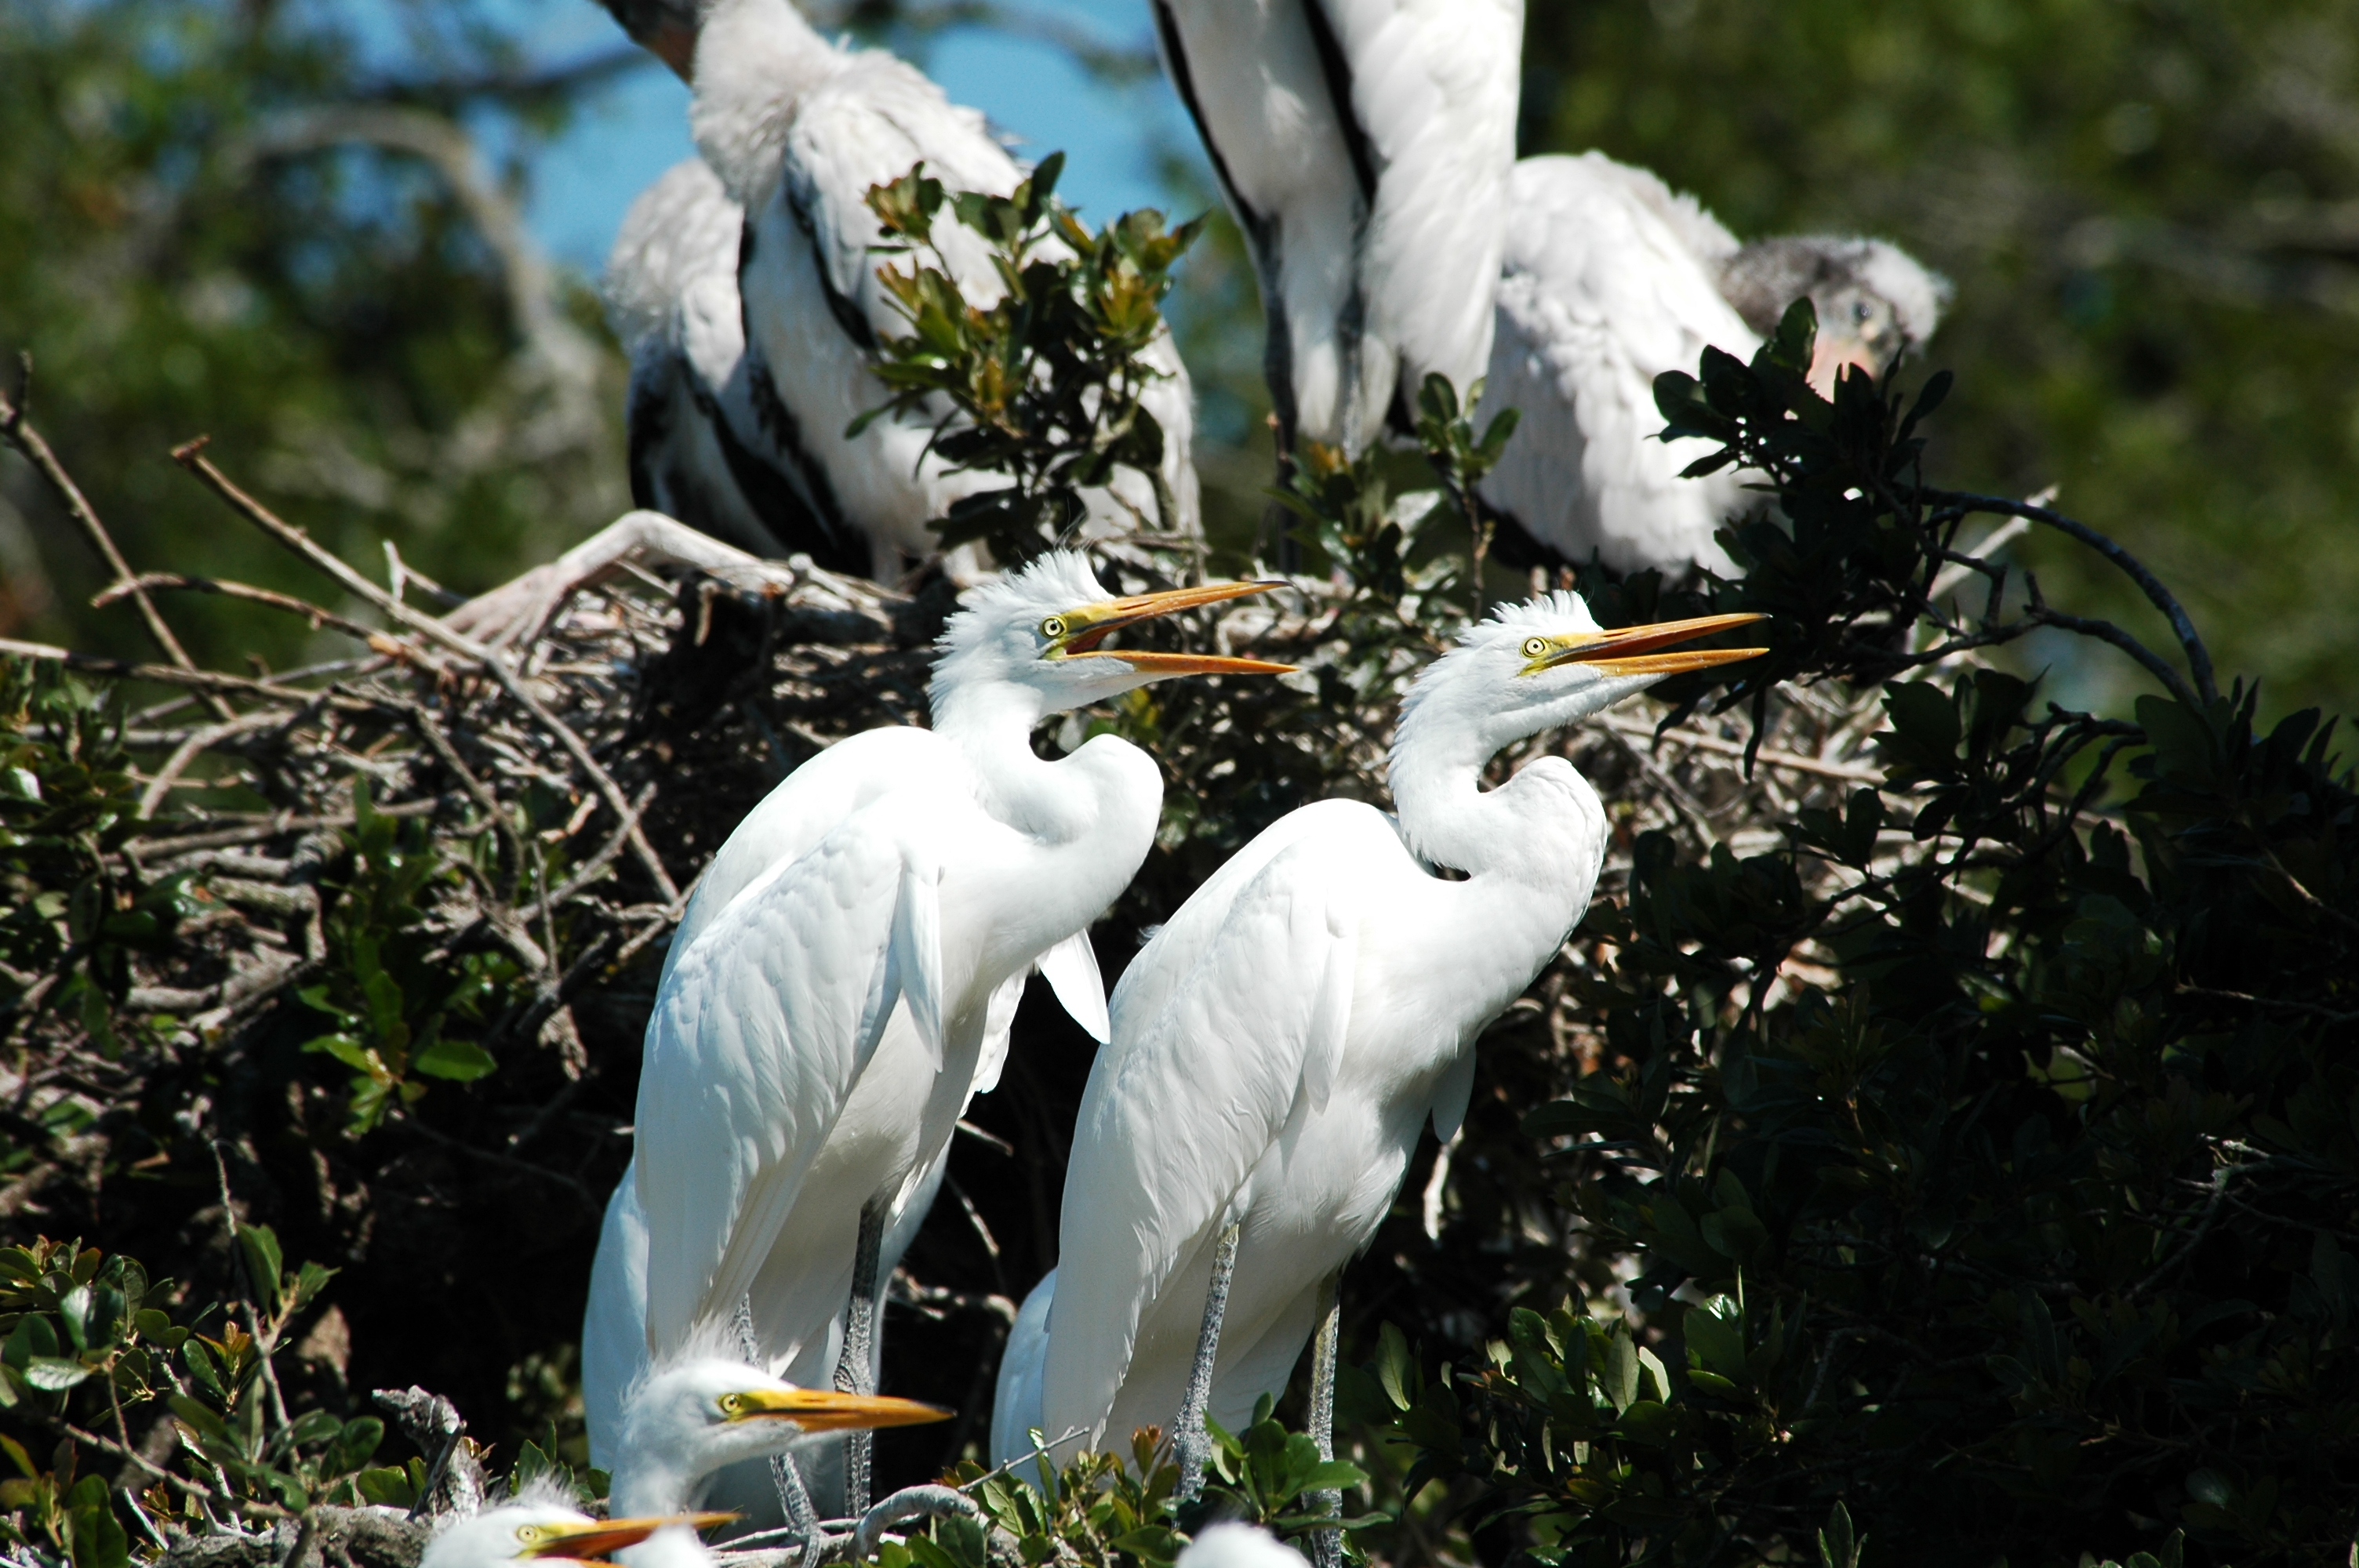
(992, 723)
(1520, 833)
(755, 61)
(644, 1486)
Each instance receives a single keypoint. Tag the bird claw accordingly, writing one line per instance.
(908, 1503)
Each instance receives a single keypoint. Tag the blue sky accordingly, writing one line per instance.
(636, 127)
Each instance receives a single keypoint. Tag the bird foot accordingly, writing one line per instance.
(909, 1503)
(516, 612)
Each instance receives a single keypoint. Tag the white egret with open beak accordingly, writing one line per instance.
(844, 980)
(1281, 1041)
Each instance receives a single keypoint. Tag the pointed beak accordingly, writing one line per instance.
(825, 1409)
(1089, 626)
(582, 1542)
(1632, 651)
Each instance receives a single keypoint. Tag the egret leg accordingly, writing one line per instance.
(794, 1498)
(1192, 1445)
(855, 1368)
(1327, 1546)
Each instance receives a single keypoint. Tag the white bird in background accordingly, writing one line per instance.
(1234, 1545)
(1363, 146)
(699, 451)
(543, 1528)
(1611, 278)
(1281, 1041)
(843, 979)
(795, 130)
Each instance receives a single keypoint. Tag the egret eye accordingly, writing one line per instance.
(1053, 627)
(1861, 311)
(526, 1534)
(1534, 646)
(731, 1403)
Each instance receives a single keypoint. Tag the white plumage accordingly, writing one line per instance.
(1611, 278)
(795, 130)
(1363, 146)
(844, 980)
(699, 451)
(1281, 1041)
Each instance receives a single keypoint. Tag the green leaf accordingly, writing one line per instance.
(263, 1265)
(53, 1373)
(460, 1061)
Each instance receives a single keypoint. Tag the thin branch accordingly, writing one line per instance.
(2199, 658)
(20, 434)
(190, 456)
(378, 641)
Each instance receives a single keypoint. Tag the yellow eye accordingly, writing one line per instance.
(1053, 627)
(527, 1534)
(731, 1403)
(1534, 646)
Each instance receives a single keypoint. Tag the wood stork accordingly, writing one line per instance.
(1610, 278)
(1363, 148)
(843, 979)
(795, 130)
(700, 450)
(1279, 1044)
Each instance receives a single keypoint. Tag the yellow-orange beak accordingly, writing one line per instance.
(583, 1542)
(1631, 651)
(1088, 626)
(825, 1409)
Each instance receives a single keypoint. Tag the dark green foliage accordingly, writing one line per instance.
(72, 912)
(2026, 1231)
(397, 983)
(1042, 384)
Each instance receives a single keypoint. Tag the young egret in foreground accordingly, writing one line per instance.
(843, 979)
(701, 1414)
(1611, 278)
(539, 1529)
(1278, 1043)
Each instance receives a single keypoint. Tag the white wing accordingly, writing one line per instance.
(614, 1328)
(1434, 88)
(808, 805)
(1015, 1397)
(1070, 968)
(758, 1037)
(1233, 1016)
(1600, 295)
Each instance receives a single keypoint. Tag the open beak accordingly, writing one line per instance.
(1089, 626)
(1631, 651)
(825, 1409)
(582, 1542)
(1833, 352)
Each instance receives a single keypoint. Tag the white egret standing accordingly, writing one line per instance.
(1363, 148)
(843, 979)
(797, 129)
(1611, 278)
(541, 1528)
(1279, 1043)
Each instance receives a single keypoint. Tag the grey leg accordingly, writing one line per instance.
(1192, 1445)
(1327, 1546)
(794, 1500)
(854, 1370)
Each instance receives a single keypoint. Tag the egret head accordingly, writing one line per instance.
(1036, 633)
(1542, 664)
(538, 1529)
(697, 1415)
(1875, 301)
